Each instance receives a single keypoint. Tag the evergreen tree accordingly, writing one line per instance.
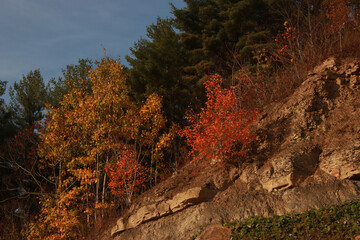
(28, 98)
(7, 129)
(157, 66)
(213, 30)
(2, 91)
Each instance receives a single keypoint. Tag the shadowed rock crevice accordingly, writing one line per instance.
(355, 177)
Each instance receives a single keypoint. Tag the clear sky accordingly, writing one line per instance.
(50, 34)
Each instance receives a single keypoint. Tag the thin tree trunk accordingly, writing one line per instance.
(309, 24)
(340, 37)
(156, 171)
(60, 180)
(155, 162)
(87, 207)
(97, 186)
(103, 190)
(151, 165)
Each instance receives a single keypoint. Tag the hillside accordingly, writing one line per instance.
(305, 156)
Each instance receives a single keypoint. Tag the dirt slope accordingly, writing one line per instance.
(306, 155)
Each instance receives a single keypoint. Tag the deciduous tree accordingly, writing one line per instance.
(90, 130)
(73, 75)
(222, 127)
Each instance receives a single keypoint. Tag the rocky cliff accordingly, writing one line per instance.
(306, 155)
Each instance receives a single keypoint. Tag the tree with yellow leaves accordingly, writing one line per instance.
(90, 132)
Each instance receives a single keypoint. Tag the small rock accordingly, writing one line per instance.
(234, 174)
(340, 81)
(144, 214)
(190, 197)
(354, 81)
(279, 183)
(215, 232)
(221, 182)
(163, 209)
(120, 226)
(328, 64)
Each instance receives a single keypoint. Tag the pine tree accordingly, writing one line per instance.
(157, 66)
(7, 128)
(214, 30)
(28, 98)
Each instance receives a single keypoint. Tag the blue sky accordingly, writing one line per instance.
(50, 34)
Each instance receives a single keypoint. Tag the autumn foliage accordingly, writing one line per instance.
(102, 143)
(285, 40)
(222, 127)
(19, 155)
(21, 149)
(97, 140)
(126, 175)
(340, 14)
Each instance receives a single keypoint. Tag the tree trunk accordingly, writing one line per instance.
(97, 186)
(103, 190)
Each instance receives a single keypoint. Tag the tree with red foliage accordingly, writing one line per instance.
(126, 176)
(221, 125)
(339, 14)
(286, 41)
(23, 179)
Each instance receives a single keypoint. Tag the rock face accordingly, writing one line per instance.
(153, 211)
(306, 155)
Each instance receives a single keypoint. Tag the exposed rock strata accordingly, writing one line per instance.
(306, 155)
(180, 201)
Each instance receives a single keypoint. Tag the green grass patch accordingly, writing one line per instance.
(333, 222)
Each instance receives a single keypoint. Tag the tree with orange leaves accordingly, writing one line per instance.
(340, 14)
(96, 126)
